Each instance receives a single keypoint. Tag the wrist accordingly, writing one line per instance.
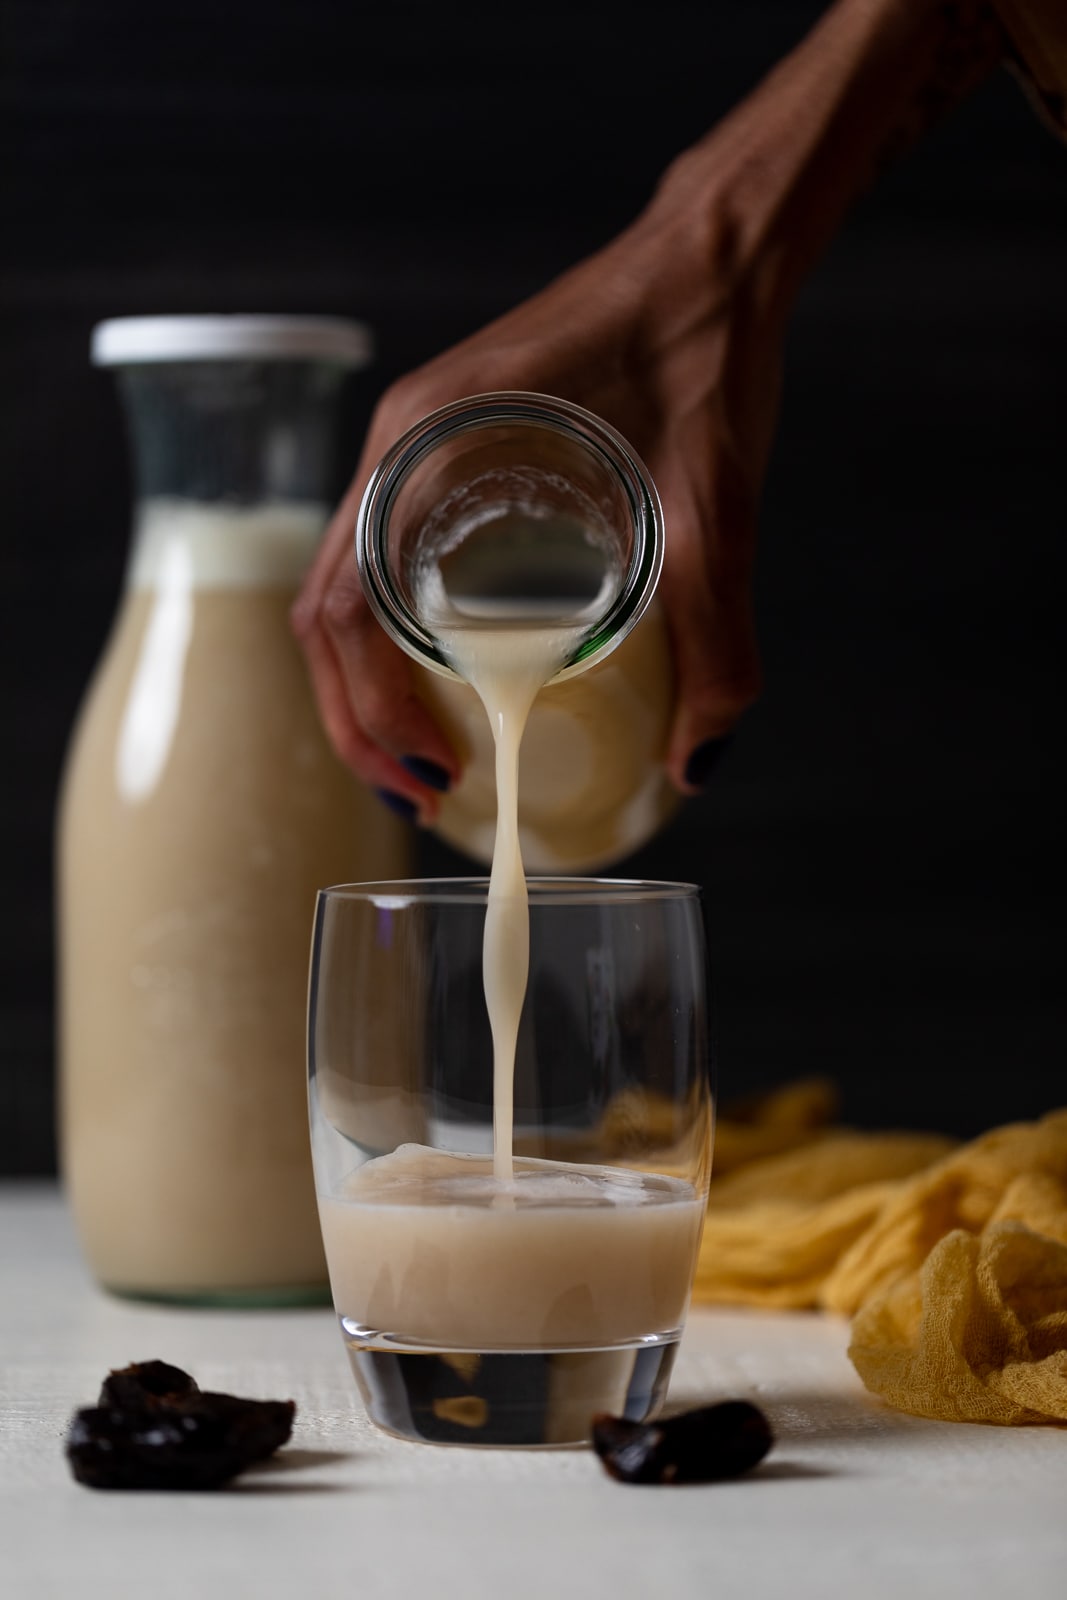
(760, 197)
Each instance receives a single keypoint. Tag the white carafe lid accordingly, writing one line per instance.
(125, 341)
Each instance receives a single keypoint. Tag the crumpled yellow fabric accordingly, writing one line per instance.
(951, 1261)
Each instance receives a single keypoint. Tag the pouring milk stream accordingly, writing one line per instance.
(508, 540)
(507, 650)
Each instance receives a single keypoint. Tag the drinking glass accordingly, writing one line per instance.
(495, 1307)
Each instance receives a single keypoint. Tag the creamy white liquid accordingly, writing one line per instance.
(266, 546)
(510, 603)
(506, 663)
(428, 1247)
(202, 809)
(592, 782)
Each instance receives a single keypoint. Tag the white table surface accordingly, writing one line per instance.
(854, 1500)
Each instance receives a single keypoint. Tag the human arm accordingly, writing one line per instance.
(673, 333)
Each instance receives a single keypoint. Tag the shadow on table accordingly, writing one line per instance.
(800, 1418)
(278, 1474)
(785, 1471)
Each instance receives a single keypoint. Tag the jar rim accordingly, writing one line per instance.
(482, 410)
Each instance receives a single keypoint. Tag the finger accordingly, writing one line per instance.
(365, 758)
(706, 593)
(335, 548)
(717, 665)
(392, 416)
(363, 683)
(379, 684)
(336, 552)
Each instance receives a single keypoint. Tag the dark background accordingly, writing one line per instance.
(881, 850)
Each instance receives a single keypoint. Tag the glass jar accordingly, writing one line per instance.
(201, 810)
(524, 506)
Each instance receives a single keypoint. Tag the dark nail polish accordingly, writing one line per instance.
(428, 772)
(396, 802)
(700, 767)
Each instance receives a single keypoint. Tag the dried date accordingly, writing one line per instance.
(716, 1442)
(154, 1428)
(143, 1383)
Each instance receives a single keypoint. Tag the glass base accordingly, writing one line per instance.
(544, 1398)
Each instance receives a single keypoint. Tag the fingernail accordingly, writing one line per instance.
(428, 772)
(396, 802)
(701, 765)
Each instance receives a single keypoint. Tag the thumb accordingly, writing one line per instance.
(706, 593)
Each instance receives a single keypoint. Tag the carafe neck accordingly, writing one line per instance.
(203, 544)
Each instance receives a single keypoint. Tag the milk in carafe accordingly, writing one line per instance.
(201, 811)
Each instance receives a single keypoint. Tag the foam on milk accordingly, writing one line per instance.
(182, 547)
(416, 1175)
(219, 546)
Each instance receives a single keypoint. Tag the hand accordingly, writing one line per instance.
(673, 334)
(650, 335)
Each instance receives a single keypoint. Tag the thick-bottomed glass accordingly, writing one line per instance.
(478, 1309)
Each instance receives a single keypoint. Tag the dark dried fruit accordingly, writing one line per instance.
(153, 1428)
(695, 1447)
(138, 1385)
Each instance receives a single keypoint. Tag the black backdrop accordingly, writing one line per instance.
(881, 851)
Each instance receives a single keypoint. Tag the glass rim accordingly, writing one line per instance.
(522, 408)
(401, 892)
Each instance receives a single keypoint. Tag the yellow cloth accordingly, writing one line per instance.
(951, 1261)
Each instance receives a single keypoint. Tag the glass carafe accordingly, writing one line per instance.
(201, 811)
(526, 507)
